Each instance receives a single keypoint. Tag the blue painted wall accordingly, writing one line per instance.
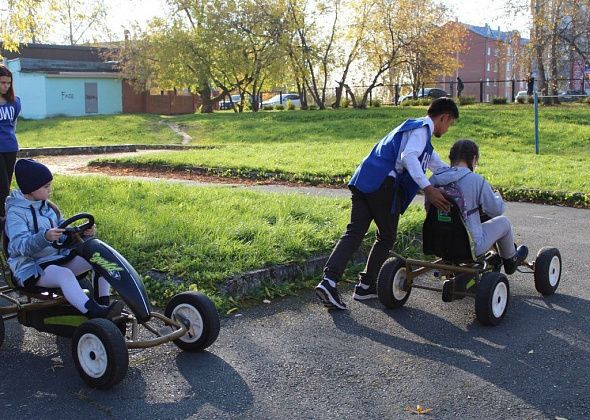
(30, 88)
(66, 96)
(45, 95)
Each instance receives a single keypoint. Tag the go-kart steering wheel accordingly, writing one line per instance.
(70, 232)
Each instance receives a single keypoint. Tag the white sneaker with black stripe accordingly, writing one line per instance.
(328, 295)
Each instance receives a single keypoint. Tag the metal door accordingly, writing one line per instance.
(91, 98)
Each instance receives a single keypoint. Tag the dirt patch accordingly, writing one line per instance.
(191, 176)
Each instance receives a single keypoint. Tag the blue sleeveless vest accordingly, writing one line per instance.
(373, 170)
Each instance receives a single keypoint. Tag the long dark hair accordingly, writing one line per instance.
(464, 150)
(9, 96)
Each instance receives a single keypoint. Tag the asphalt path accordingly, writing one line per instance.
(292, 359)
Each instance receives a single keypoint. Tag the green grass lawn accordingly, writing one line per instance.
(328, 145)
(205, 235)
(97, 130)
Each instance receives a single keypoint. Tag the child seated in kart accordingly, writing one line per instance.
(31, 227)
(477, 195)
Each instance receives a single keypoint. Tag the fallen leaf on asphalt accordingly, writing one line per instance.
(266, 301)
(560, 418)
(531, 351)
(231, 311)
(418, 410)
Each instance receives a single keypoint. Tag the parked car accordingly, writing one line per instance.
(433, 93)
(227, 104)
(571, 95)
(521, 94)
(283, 100)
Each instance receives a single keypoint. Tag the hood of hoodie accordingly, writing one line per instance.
(444, 176)
(18, 199)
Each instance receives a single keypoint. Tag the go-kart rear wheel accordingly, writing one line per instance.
(547, 270)
(100, 353)
(492, 297)
(198, 313)
(391, 283)
(1, 330)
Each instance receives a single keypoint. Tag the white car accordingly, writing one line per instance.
(226, 104)
(521, 94)
(283, 100)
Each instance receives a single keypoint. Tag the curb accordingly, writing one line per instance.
(244, 284)
(95, 150)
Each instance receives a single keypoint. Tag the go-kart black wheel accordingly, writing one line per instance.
(1, 330)
(492, 297)
(100, 353)
(547, 270)
(391, 283)
(198, 313)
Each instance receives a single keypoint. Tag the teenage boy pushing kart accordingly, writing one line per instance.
(382, 187)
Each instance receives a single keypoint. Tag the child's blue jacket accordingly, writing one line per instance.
(28, 248)
(378, 164)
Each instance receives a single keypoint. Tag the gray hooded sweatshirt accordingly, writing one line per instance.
(476, 193)
(27, 246)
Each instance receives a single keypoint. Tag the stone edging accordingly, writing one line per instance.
(92, 150)
(245, 284)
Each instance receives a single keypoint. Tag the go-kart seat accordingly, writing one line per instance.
(445, 235)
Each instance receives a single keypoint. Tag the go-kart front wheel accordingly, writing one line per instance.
(491, 299)
(198, 313)
(547, 270)
(100, 353)
(391, 283)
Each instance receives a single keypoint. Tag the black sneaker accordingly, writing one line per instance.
(511, 264)
(328, 295)
(364, 291)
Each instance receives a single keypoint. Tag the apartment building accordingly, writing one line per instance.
(490, 61)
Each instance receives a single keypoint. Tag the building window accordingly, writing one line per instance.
(488, 81)
(508, 67)
(488, 67)
(487, 97)
(489, 50)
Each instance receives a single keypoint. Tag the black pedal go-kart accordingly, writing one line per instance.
(462, 272)
(100, 347)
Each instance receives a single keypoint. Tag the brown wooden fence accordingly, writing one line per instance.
(167, 103)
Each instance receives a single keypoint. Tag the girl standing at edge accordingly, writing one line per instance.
(9, 111)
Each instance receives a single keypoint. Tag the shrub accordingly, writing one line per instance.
(466, 100)
(290, 105)
(520, 99)
(312, 107)
(499, 100)
(406, 102)
(586, 100)
(267, 107)
(345, 103)
(531, 99)
(376, 103)
(279, 107)
(424, 101)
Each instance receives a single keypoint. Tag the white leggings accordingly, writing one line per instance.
(64, 277)
(497, 230)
